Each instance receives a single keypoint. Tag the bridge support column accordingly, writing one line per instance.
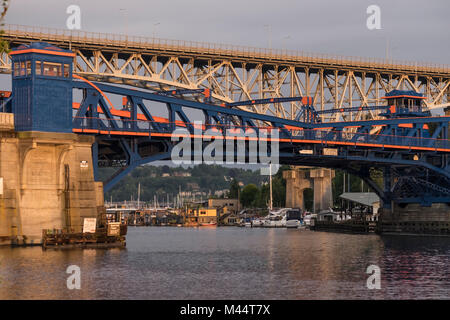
(296, 182)
(317, 179)
(48, 183)
(323, 191)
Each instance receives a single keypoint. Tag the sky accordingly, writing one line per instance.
(412, 30)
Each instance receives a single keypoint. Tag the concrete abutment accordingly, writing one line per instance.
(48, 183)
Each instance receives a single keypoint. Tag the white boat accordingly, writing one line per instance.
(279, 211)
(258, 222)
(293, 218)
(275, 220)
(307, 220)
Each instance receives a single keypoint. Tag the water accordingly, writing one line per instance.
(234, 263)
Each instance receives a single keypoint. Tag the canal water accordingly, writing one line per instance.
(234, 263)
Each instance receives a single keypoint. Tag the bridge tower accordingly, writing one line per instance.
(42, 87)
(47, 170)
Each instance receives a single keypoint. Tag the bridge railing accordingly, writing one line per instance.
(152, 43)
(301, 135)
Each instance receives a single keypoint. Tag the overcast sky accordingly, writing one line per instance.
(415, 30)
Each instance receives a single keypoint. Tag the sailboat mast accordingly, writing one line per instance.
(270, 179)
(139, 194)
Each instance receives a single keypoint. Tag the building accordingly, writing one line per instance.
(229, 219)
(201, 216)
(355, 202)
(228, 205)
(181, 174)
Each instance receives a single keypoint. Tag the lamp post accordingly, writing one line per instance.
(154, 28)
(269, 27)
(125, 13)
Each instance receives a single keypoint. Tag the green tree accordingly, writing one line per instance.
(235, 189)
(248, 195)
(262, 198)
(4, 45)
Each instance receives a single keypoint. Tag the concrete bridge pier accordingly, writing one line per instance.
(47, 183)
(299, 179)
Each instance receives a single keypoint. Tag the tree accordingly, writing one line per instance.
(248, 195)
(4, 45)
(235, 189)
(262, 198)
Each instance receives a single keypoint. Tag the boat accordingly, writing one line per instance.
(307, 220)
(293, 218)
(275, 220)
(258, 222)
(208, 224)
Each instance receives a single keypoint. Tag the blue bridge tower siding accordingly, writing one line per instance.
(42, 88)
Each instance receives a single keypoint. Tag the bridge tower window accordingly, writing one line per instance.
(66, 70)
(38, 68)
(22, 68)
(28, 70)
(16, 69)
(52, 69)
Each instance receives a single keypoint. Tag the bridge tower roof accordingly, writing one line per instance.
(41, 47)
(403, 94)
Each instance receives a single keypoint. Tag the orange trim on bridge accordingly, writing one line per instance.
(325, 142)
(51, 52)
(112, 132)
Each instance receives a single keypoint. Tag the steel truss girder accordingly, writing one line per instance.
(231, 81)
(356, 160)
(234, 76)
(425, 191)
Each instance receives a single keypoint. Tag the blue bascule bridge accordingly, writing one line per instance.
(403, 154)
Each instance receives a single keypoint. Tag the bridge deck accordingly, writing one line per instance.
(298, 135)
(95, 40)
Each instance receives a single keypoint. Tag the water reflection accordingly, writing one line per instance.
(233, 263)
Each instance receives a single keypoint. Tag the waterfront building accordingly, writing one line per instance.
(202, 216)
(228, 205)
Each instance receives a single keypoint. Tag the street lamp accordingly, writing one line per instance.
(270, 35)
(285, 43)
(125, 13)
(154, 28)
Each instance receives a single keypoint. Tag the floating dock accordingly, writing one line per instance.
(102, 238)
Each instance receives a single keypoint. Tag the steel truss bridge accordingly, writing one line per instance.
(248, 89)
(413, 153)
(236, 73)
